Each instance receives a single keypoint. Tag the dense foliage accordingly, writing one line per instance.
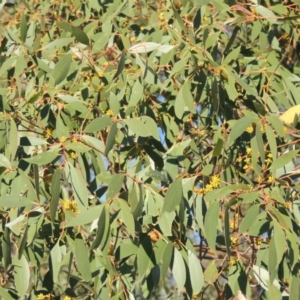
(149, 149)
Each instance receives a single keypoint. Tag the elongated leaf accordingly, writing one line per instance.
(115, 185)
(23, 28)
(294, 287)
(184, 101)
(86, 217)
(265, 12)
(42, 158)
(145, 257)
(98, 124)
(21, 275)
(121, 65)
(279, 240)
(82, 259)
(13, 139)
(138, 127)
(4, 162)
(61, 69)
(240, 127)
(150, 46)
(56, 258)
(173, 196)
(249, 218)
(15, 201)
(211, 273)
(23, 243)
(283, 160)
(111, 138)
(127, 217)
(80, 35)
(211, 231)
(6, 248)
(196, 273)
(55, 192)
(3, 292)
(151, 126)
(102, 229)
(78, 186)
(178, 269)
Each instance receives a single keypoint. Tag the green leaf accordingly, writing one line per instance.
(98, 124)
(294, 286)
(207, 170)
(256, 30)
(6, 248)
(65, 25)
(3, 292)
(266, 13)
(110, 142)
(55, 192)
(144, 127)
(249, 218)
(61, 69)
(114, 185)
(150, 46)
(227, 231)
(283, 160)
(93, 142)
(165, 222)
(272, 140)
(279, 239)
(23, 28)
(80, 35)
(166, 259)
(178, 269)
(173, 196)
(145, 257)
(121, 65)
(126, 250)
(277, 125)
(240, 127)
(127, 216)
(4, 162)
(218, 148)
(78, 186)
(15, 201)
(136, 93)
(232, 56)
(211, 273)
(56, 259)
(23, 243)
(13, 139)
(86, 217)
(151, 126)
(196, 273)
(21, 275)
(211, 231)
(42, 158)
(184, 101)
(102, 229)
(82, 259)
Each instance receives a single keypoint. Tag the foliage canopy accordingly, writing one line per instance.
(143, 139)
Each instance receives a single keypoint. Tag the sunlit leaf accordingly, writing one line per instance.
(150, 46)
(196, 273)
(82, 259)
(21, 275)
(178, 269)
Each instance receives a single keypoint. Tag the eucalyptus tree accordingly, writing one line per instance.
(145, 140)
